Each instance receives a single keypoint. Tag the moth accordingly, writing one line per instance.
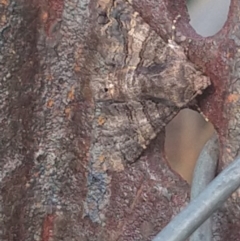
(139, 83)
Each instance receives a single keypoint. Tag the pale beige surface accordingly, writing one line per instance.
(208, 16)
(188, 132)
(185, 136)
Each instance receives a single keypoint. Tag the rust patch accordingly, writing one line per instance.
(77, 68)
(50, 103)
(4, 2)
(70, 95)
(44, 16)
(101, 120)
(47, 232)
(232, 98)
(102, 158)
(68, 113)
(3, 20)
(51, 11)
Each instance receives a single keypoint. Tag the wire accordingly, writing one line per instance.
(201, 208)
(204, 173)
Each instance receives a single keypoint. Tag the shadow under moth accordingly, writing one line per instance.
(139, 83)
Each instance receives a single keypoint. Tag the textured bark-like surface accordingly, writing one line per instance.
(46, 114)
(86, 90)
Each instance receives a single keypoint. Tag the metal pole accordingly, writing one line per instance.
(200, 209)
(204, 173)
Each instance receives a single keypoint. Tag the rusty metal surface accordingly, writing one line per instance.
(49, 58)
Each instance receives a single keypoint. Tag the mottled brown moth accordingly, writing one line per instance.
(138, 86)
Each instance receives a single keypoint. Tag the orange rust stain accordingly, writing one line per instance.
(51, 12)
(3, 19)
(50, 103)
(44, 16)
(47, 231)
(232, 98)
(68, 112)
(49, 77)
(77, 68)
(70, 95)
(100, 164)
(4, 2)
(101, 158)
(101, 120)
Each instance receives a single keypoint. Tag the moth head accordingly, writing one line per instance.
(103, 90)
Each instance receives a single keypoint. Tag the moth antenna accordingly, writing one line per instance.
(201, 113)
(174, 27)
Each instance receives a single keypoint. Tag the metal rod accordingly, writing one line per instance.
(201, 208)
(204, 173)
